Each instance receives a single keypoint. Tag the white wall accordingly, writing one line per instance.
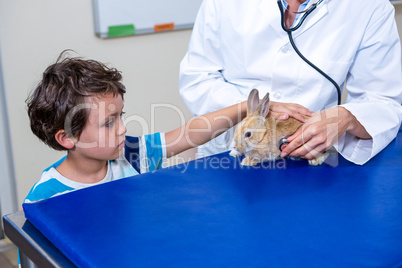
(398, 16)
(34, 32)
(8, 201)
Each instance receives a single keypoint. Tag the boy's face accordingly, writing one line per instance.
(104, 133)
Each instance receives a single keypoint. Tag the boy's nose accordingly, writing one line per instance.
(122, 127)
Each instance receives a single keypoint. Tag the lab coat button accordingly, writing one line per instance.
(277, 95)
(285, 49)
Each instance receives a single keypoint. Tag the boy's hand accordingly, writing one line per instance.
(283, 111)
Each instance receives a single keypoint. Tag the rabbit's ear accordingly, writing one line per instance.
(263, 107)
(252, 103)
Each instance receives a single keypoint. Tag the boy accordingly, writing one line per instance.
(78, 106)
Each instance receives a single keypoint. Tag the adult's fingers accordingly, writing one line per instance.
(294, 143)
(279, 115)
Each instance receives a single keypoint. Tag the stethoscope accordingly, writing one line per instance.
(299, 24)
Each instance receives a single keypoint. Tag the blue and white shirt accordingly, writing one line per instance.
(141, 154)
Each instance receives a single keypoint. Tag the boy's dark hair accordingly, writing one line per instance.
(64, 86)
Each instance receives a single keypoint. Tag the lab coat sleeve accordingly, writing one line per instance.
(374, 85)
(202, 85)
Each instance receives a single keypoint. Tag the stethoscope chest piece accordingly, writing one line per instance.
(282, 143)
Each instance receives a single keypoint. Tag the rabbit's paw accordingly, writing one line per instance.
(318, 160)
(235, 153)
(249, 162)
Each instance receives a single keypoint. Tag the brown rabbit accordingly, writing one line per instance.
(257, 136)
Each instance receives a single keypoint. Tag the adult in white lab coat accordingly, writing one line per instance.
(239, 45)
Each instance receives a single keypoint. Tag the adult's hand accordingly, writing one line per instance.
(283, 111)
(322, 131)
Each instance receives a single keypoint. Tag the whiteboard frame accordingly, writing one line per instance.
(144, 15)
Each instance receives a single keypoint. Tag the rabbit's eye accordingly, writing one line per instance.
(247, 134)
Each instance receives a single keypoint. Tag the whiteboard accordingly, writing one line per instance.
(114, 18)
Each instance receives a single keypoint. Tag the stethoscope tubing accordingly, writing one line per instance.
(289, 32)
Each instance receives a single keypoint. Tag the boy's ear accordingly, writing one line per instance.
(65, 141)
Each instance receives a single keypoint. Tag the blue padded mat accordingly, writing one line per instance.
(213, 212)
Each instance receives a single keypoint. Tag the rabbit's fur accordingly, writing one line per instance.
(257, 135)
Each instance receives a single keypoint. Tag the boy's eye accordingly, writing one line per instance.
(113, 120)
(109, 123)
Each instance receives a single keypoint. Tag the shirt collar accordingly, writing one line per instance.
(301, 8)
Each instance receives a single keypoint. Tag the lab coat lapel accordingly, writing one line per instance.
(270, 10)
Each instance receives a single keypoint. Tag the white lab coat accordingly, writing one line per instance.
(239, 45)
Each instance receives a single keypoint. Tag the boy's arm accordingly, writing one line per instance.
(202, 129)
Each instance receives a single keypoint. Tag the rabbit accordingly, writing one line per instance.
(257, 135)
